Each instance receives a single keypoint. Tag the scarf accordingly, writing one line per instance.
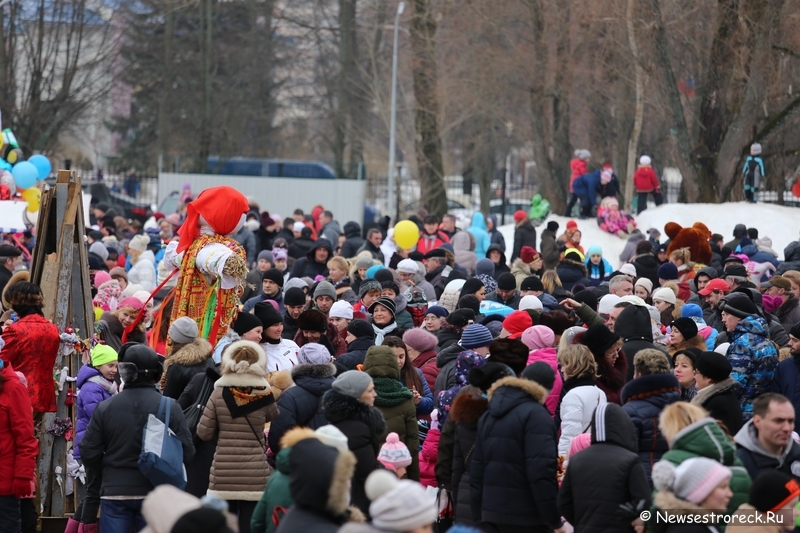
(390, 392)
(242, 401)
(380, 333)
(108, 386)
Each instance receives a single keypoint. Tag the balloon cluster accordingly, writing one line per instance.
(21, 176)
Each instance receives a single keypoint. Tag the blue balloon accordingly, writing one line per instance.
(42, 164)
(25, 175)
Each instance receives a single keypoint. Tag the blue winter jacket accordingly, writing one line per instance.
(425, 405)
(751, 251)
(786, 381)
(93, 388)
(478, 230)
(586, 185)
(754, 360)
(596, 275)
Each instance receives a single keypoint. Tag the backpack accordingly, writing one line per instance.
(194, 412)
(161, 460)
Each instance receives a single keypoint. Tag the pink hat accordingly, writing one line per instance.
(394, 454)
(101, 277)
(420, 339)
(538, 337)
(581, 442)
(130, 301)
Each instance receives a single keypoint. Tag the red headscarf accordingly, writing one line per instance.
(222, 207)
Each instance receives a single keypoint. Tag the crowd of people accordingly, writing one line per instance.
(466, 382)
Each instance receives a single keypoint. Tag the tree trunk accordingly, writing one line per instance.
(206, 40)
(687, 165)
(352, 104)
(428, 142)
(638, 117)
(738, 134)
(166, 87)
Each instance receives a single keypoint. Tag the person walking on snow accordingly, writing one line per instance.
(753, 173)
(578, 167)
(646, 182)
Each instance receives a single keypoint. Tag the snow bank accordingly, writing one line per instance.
(774, 221)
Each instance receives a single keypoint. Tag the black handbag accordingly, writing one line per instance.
(194, 412)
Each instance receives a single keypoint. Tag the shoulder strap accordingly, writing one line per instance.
(264, 445)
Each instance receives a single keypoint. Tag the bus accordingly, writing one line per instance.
(275, 168)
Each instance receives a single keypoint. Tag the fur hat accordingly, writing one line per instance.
(312, 320)
(245, 358)
(511, 352)
(420, 339)
(22, 275)
(27, 293)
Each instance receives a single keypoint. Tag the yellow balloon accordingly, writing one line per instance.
(34, 198)
(406, 234)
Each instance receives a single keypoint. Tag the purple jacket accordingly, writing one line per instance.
(93, 388)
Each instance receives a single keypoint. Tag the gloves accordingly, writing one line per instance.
(23, 488)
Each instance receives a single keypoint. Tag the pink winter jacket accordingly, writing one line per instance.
(427, 459)
(548, 355)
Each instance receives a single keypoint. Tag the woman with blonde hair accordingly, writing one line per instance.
(691, 432)
(682, 258)
(794, 278)
(143, 263)
(112, 325)
(581, 395)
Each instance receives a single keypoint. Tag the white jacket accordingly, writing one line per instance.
(144, 271)
(577, 409)
(281, 356)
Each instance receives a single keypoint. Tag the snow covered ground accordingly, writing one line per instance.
(774, 221)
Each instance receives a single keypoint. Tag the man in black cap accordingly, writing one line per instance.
(549, 249)
(360, 336)
(294, 302)
(10, 259)
(506, 292)
(716, 390)
(271, 285)
(531, 286)
(736, 276)
(437, 270)
(786, 379)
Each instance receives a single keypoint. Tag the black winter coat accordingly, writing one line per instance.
(362, 425)
(786, 381)
(307, 266)
(183, 365)
(633, 325)
(514, 462)
(647, 267)
(524, 235)
(113, 441)
(465, 413)
(353, 240)
(446, 361)
(289, 326)
(446, 337)
(722, 403)
(503, 265)
(198, 471)
(549, 250)
(643, 399)
(604, 476)
(300, 247)
(571, 273)
(355, 354)
(300, 405)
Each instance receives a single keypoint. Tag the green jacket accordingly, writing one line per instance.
(276, 494)
(402, 419)
(705, 439)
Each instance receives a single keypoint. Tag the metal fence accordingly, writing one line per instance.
(134, 187)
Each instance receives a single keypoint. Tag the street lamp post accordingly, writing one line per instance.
(391, 199)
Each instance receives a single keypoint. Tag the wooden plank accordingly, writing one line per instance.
(82, 295)
(48, 283)
(46, 474)
(39, 251)
(59, 446)
(62, 295)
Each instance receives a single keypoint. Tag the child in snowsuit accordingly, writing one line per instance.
(646, 182)
(578, 168)
(753, 173)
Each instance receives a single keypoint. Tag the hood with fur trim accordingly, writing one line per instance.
(658, 389)
(316, 379)
(243, 373)
(509, 392)
(338, 407)
(320, 477)
(468, 408)
(195, 353)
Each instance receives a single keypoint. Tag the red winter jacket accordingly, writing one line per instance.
(426, 361)
(427, 242)
(645, 179)
(32, 347)
(18, 445)
(427, 459)
(579, 168)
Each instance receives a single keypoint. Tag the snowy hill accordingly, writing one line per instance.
(774, 221)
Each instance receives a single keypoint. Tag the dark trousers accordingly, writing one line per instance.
(86, 512)
(10, 515)
(641, 203)
(120, 515)
(244, 511)
(573, 199)
(749, 196)
(30, 518)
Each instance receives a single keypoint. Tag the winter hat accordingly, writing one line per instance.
(573, 335)
(386, 302)
(391, 285)
(145, 364)
(266, 254)
(506, 281)
(755, 149)
(298, 226)
(607, 303)
(245, 358)
(381, 362)
(778, 281)
(394, 453)
(486, 375)
(246, 322)
(460, 318)
(409, 266)
(668, 271)
(628, 269)
(437, 310)
(332, 436)
(118, 272)
(471, 286)
(420, 339)
(552, 226)
(735, 270)
(519, 215)
(352, 383)
(528, 254)
(398, 505)
(538, 337)
(371, 271)
(739, 305)
(294, 296)
(594, 250)
(169, 509)
(598, 339)
(795, 331)
(646, 283)
(268, 315)
(511, 352)
(102, 354)
(516, 323)
(572, 224)
(365, 262)
(102, 277)
(633, 299)
(530, 302)
(475, 336)
(583, 154)
(484, 266)
(183, 331)
(772, 490)
(279, 254)
(692, 311)
(368, 286)
(273, 274)
(664, 294)
(645, 160)
(693, 480)
(541, 373)
(686, 326)
(713, 365)
(340, 309)
(361, 328)
(311, 320)
(295, 283)
(130, 301)
(690, 353)
(383, 275)
(531, 283)
(587, 297)
(580, 443)
(139, 243)
(325, 288)
(313, 353)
